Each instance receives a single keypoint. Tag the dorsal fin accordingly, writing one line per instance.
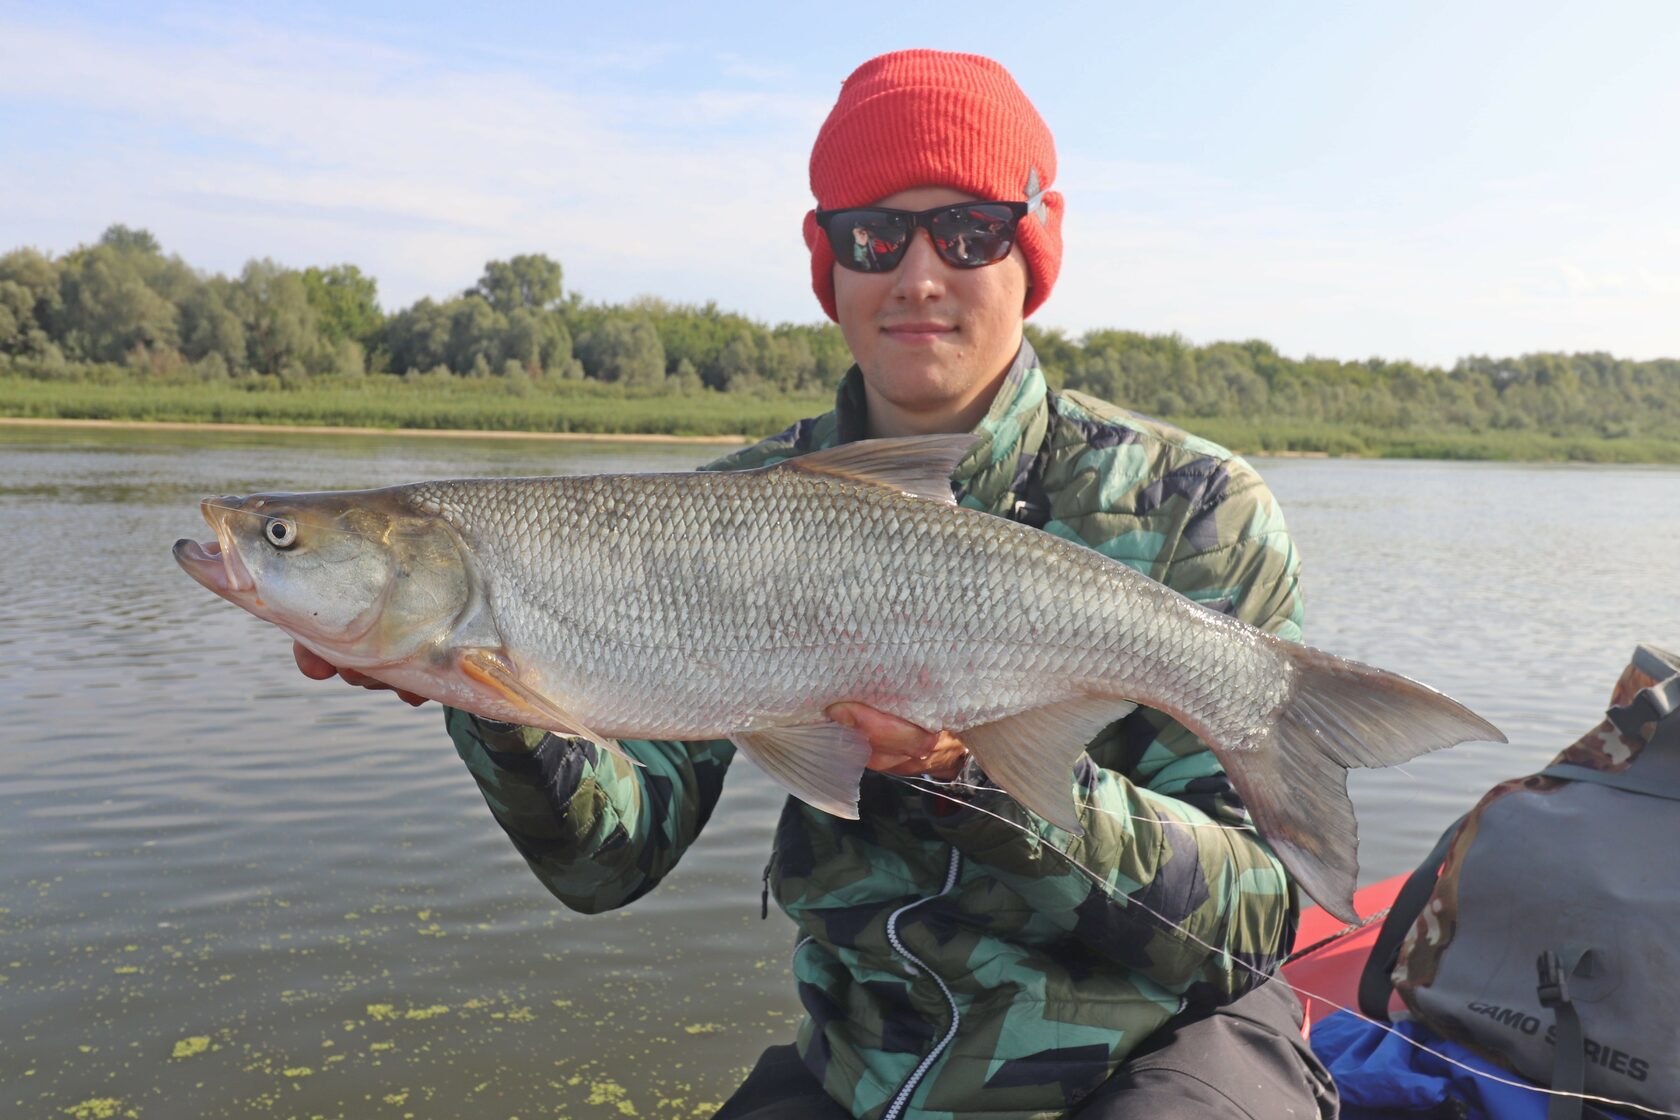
(919, 465)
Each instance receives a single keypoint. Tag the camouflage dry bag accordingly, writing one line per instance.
(1544, 930)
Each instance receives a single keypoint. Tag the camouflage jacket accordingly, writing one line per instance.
(949, 962)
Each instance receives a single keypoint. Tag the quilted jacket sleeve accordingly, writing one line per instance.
(598, 832)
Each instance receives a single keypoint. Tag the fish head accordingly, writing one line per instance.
(357, 576)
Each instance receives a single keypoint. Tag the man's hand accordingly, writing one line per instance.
(899, 746)
(318, 668)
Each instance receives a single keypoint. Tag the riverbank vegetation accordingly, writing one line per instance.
(426, 401)
(120, 330)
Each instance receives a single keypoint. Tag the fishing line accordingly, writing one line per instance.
(1214, 825)
(934, 787)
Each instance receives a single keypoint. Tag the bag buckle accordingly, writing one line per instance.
(1554, 981)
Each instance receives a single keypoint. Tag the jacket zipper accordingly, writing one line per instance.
(917, 966)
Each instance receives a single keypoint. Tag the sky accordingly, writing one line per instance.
(1418, 181)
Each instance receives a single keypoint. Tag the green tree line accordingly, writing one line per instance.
(122, 302)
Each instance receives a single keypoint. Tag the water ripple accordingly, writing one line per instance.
(205, 855)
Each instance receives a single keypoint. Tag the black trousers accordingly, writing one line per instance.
(1246, 1061)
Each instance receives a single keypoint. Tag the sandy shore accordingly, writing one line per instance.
(444, 433)
(332, 430)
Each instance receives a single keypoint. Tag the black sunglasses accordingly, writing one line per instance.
(964, 234)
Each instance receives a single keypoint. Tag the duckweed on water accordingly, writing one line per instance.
(431, 1012)
(383, 1012)
(611, 1092)
(187, 1047)
(99, 1108)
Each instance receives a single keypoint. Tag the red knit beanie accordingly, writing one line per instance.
(935, 119)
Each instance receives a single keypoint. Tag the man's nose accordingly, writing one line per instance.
(921, 274)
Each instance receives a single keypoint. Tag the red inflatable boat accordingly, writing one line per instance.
(1330, 953)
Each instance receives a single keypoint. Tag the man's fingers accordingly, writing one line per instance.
(312, 664)
(898, 746)
(318, 668)
(886, 733)
(908, 768)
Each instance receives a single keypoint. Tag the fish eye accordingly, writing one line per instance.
(281, 533)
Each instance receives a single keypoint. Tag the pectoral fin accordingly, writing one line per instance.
(1030, 755)
(819, 763)
(493, 670)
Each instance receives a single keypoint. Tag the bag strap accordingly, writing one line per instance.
(1569, 1061)
(1627, 782)
(1655, 704)
(1658, 664)
(1659, 704)
(1376, 980)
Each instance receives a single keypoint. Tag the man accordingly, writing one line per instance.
(953, 959)
(863, 253)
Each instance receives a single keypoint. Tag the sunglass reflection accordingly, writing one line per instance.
(965, 235)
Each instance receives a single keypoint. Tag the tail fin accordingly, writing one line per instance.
(1293, 773)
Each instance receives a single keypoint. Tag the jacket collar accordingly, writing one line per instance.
(1010, 433)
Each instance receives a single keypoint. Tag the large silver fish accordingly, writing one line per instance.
(741, 605)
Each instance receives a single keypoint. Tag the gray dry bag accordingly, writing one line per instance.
(1544, 930)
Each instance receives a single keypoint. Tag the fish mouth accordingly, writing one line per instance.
(216, 564)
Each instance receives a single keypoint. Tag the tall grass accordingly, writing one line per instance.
(426, 403)
(1285, 435)
(517, 405)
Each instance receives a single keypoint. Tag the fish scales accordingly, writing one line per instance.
(771, 596)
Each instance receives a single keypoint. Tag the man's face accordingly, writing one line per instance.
(933, 342)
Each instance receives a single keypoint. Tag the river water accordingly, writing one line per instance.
(226, 890)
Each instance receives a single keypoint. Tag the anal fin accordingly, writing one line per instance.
(819, 763)
(1030, 755)
(493, 670)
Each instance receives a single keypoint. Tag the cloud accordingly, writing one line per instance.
(309, 148)
(1507, 265)
(233, 140)
(753, 70)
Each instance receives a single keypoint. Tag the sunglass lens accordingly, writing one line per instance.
(974, 234)
(868, 240)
